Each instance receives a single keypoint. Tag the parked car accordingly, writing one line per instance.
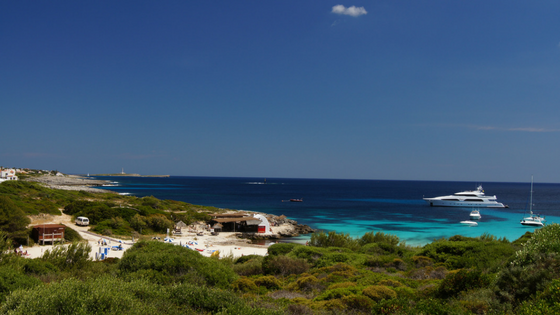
(82, 221)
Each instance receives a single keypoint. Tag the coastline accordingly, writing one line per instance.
(235, 244)
(71, 182)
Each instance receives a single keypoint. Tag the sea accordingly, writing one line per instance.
(356, 207)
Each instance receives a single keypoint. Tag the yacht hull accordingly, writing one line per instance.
(446, 203)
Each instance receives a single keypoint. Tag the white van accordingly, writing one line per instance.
(82, 221)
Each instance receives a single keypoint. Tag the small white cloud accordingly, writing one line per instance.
(352, 11)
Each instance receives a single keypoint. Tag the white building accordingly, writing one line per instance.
(8, 174)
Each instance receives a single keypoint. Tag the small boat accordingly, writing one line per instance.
(469, 223)
(532, 219)
(296, 200)
(475, 215)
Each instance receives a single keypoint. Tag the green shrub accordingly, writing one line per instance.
(39, 267)
(309, 253)
(338, 293)
(244, 259)
(250, 267)
(379, 292)
(390, 283)
(333, 239)
(545, 240)
(378, 261)
(269, 282)
(11, 280)
(244, 285)
(461, 252)
(342, 285)
(281, 248)
(357, 302)
(307, 283)
(13, 221)
(378, 237)
(516, 283)
(422, 261)
(284, 265)
(73, 256)
(72, 235)
(462, 280)
(167, 263)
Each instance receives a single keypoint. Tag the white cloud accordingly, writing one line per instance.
(352, 11)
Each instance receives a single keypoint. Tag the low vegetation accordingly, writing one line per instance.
(336, 274)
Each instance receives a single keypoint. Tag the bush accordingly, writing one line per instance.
(545, 240)
(167, 263)
(11, 280)
(72, 235)
(379, 292)
(281, 248)
(13, 220)
(244, 285)
(462, 280)
(250, 267)
(333, 239)
(284, 265)
(515, 283)
(73, 256)
(338, 293)
(269, 282)
(39, 267)
(307, 283)
(460, 252)
(358, 302)
(378, 237)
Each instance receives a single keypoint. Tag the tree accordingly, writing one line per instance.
(13, 220)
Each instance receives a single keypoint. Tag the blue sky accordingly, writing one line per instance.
(419, 90)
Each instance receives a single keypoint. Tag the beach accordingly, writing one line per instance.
(226, 243)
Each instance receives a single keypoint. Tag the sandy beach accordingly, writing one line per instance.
(226, 243)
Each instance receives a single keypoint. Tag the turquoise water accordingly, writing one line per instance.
(359, 206)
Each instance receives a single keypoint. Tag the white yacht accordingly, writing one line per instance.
(474, 198)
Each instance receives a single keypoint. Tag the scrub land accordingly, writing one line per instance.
(335, 274)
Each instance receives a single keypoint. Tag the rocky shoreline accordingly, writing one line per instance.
(70, 182)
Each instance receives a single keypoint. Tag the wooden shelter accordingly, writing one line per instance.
(238, 223)
(48, 233)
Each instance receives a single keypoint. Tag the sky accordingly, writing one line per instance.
(398, 90)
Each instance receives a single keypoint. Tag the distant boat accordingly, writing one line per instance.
(532, 219)
(475, 215)
(296, 200)
(469, 223)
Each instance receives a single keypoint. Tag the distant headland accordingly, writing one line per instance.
(122, 173)
(130, 175)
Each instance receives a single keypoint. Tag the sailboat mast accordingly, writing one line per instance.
(531, 199)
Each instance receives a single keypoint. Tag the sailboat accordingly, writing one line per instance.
(532, 219)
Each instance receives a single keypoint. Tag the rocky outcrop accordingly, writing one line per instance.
(70, 182)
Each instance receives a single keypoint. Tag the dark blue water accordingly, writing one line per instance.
(358, 206)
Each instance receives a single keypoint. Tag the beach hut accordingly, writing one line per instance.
(217, 227)
(238, 224)
(264, 225)
(178, 228)
(48, 233)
